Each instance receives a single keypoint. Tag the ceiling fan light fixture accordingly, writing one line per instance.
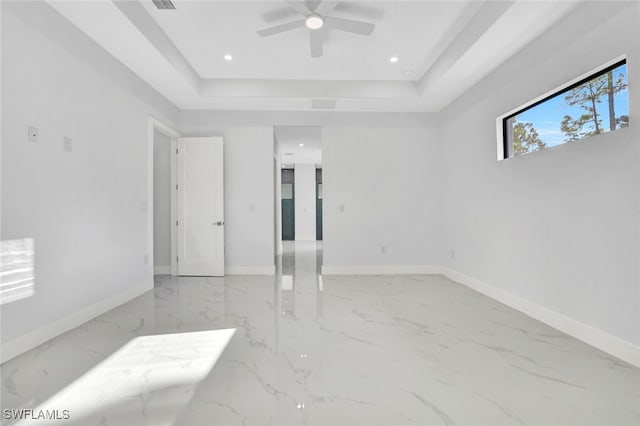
(315, 15)
(314, 22)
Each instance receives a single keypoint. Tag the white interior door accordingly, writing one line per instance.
(200, 207)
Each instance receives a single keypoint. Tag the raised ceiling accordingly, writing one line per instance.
(444, 47)
(205, 31)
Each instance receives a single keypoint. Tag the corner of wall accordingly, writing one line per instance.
(35, 338)
(590, 335)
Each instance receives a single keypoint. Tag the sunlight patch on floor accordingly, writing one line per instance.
(146, 382)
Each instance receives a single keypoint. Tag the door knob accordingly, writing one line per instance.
(219, 223)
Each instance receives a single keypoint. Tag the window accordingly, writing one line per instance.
(287, 191)
(596, 104)
(16, 269)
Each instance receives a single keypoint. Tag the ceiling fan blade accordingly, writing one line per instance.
(300, 7)
(279, 14)
(360, 9)
(312, 5)
(324, 7)
(281, 28)
(316, 43)
(348, 25)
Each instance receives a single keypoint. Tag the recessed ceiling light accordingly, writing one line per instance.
(228, 57)
(301, 144)
(314, 22)
(393, 59)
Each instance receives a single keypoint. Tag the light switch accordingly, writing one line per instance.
(33, 134)
(67, 144)
(341, 208)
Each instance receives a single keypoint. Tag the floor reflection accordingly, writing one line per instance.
(335, 350)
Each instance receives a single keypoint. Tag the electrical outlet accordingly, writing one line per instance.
(383, 249)
(341, 208)
(67, 144)
(252, 207)
(33, 135)
(453, 254)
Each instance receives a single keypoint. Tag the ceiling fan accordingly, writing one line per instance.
(314, 13)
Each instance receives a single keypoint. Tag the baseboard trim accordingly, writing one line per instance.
(588, 334)
(162, 270)
(380, 270)
(35, 338)
(250, 270)
(595, 337)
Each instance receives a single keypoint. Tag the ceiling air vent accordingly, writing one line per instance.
(163, 4)
(323, 104)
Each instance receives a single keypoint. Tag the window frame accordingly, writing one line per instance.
(505, 147)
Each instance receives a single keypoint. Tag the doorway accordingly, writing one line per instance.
(161, 203)
(288, 205)
(161, 142)
(299, 151)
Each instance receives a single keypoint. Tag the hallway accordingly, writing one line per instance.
(314, 350)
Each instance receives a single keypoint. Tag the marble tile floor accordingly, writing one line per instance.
(315, 350)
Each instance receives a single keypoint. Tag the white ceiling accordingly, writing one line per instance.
(205, 31)
(449, 46)
(289, 139)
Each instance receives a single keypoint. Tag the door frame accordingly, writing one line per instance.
(277, 206)
(157, 125)
(319, 217)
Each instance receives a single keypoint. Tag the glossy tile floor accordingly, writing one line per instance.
(312, 350)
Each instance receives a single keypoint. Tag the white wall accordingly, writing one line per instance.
(305, 201)
(558, 228)
(86, 209)
(248, 187)
(237, 126)
(381, 198)
(161, 203)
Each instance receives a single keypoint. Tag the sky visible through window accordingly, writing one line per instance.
(547, 118)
